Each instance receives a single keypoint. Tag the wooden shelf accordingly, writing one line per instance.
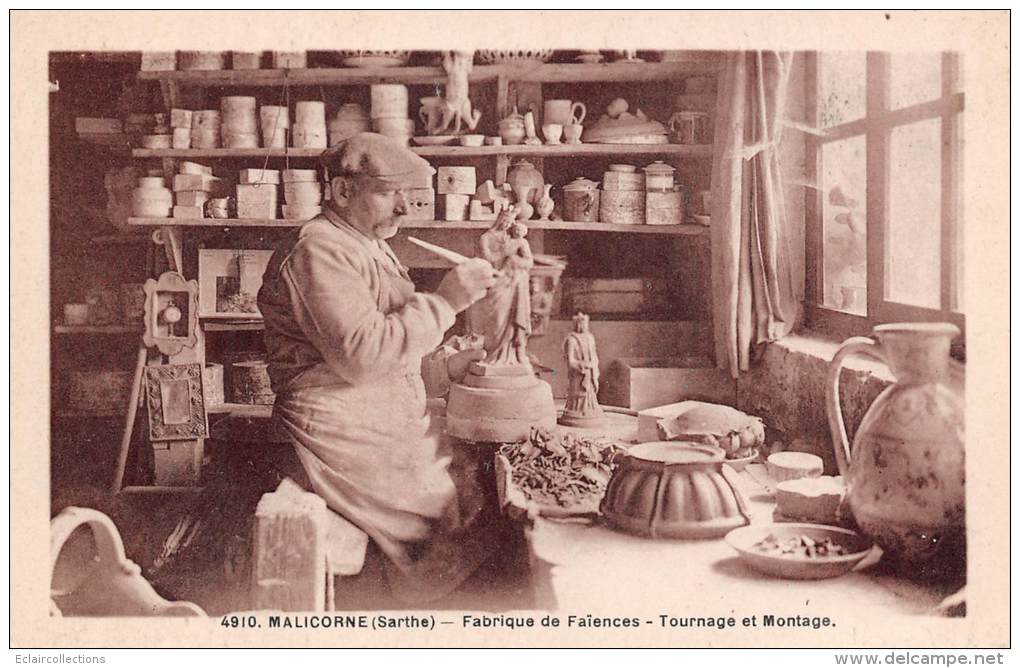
(687, 63)
(228, 326)
(73, 414)
(545, 151)
(242, 410)
(114, 141)
(128, 238)
(162, 489)
(97, 329)
(676, 230)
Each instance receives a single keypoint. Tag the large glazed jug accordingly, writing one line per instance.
(905, 474)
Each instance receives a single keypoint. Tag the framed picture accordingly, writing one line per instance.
(173, 395)
(229, 282)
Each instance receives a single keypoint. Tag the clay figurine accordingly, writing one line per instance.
(582, 408)
(503, 316)
(500, 400)
(457, 107)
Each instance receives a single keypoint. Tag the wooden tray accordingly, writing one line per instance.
(515, 502)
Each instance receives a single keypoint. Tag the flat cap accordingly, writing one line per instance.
(378, 157)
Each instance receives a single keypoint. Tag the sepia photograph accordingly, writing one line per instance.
(599, 339)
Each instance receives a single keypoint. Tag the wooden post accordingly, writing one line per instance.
(289, 559)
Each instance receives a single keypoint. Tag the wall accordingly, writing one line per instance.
(786, 388)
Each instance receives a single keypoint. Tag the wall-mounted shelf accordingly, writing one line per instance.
(232, 326)
(688, 63)
(544, 151)
(242, 410)
(97, 329)
(75, 414)
(676, 230)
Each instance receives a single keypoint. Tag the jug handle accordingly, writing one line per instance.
(574, 116)
(837, 427)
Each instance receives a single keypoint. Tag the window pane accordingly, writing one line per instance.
(914, 78)
(840, 87)
(913, 266)
(844, 225)
(959, 241)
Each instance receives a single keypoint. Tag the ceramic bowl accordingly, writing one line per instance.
(792, 567)
(741, 463)
(792, 465)
(672, 489)
(472, 140)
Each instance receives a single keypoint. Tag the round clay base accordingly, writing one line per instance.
(583, 421)
(499, 415)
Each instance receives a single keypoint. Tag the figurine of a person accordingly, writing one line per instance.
(503, 316)
(582, 374)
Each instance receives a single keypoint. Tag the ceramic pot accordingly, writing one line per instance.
(659, 176)
(527, 185)
(674, 490)
(511, 128)
(581, 200)
(905, 479)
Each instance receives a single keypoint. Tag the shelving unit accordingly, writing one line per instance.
(502, 83)
(542, 151)
(674, 230)
(687, 64)
(96, 329)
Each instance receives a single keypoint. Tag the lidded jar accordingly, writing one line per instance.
(659, 176)
(581, 200)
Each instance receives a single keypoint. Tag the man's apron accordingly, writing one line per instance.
(369, 453)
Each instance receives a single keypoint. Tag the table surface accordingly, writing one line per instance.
(593, 568)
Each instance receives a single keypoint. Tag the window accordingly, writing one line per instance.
(884, 215)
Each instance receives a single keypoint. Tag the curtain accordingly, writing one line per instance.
(754, 294)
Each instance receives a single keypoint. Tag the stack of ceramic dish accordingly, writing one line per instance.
(238, 128)
(623, 196)
(205, 129)
(275, 121)
(309, 125)
(202, 60)
(302, 193)
(350, 120)
(393, 58)
(152, 199)
(257, 193)
(389, 112)
(664, 202)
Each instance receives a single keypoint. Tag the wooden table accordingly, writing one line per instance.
(595, 569)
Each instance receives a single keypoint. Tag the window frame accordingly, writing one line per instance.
(876, 128)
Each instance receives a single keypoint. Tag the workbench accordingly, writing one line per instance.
(588, 568)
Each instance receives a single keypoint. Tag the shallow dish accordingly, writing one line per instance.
(741, 463)
(472, 140)
(744, 539)
(438, 140)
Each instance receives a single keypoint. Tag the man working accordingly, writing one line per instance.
(346, 333)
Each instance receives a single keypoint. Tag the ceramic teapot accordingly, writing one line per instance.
(905, 473)
(511, 128)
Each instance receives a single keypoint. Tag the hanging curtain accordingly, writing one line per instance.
(754, 299)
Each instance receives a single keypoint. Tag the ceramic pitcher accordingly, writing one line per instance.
(905, 473)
